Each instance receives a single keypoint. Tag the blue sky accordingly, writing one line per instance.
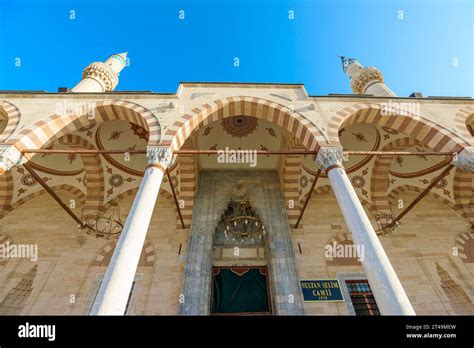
(428, 47)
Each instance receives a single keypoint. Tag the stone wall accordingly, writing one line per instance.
(435, 279)
(67, 266)
(262, 189)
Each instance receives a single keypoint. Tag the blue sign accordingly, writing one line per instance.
(321, 290)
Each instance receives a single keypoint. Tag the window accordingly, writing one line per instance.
(362, 299)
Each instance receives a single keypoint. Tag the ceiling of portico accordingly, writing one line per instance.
(239, 133)
(242, 132)
(120, 172)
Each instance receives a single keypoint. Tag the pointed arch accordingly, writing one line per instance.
(12, 115)
(392, 195)
(94, 172)
(132, 192)
(55, 126)
(6, 192)
(427, 132)
(380, 173)
(463, 189)
(103, 257)
(464, 122)
(77, 193)
(309, 134)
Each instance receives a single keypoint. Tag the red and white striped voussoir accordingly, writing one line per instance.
(41, 132)
(310, 136)
(427, 132)
(13, 115)
(381, 169)
(93, 170)
(462, 118)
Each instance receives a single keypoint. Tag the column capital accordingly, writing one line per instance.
(329, 156)
(10, 156)
(465, 159)
(159, 155)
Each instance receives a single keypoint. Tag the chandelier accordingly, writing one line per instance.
(387, 225)
(240, 224)
(106, 224)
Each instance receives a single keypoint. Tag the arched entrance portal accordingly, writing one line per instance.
(247, 125)
(239, 273)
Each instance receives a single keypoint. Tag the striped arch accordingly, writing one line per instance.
(6, 192)
(464, 192)
(427, 132)
(405, 188)
(380, 173)
(291, 174)
(94, 173)
(55, 126)
(464, 122)
(77, 193)
(308, 134)
(103, 257)
(132, 192)
(11, 113)
(465, 244)
(187, 187)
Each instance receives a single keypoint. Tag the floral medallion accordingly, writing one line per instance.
(240, 126)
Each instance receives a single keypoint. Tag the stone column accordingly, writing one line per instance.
(387, 289)
(114, 291)
(465, 159)
(10, 157)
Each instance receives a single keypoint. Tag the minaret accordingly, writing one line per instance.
(365, 80)
(102, 77)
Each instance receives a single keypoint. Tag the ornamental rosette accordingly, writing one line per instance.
(363, 77)
(102, 74)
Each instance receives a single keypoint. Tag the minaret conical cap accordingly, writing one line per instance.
(346, 61)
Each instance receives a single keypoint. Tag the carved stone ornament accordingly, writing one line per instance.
(102, 74)
(328, 156)
(159, 155)
(9, 157)
(465, 159)
(363, 77)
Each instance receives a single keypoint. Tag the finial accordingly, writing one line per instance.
(346, 62)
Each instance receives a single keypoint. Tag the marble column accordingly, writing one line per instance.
(386, 287)
(115, 288)
(10, 157)
(465, 159)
